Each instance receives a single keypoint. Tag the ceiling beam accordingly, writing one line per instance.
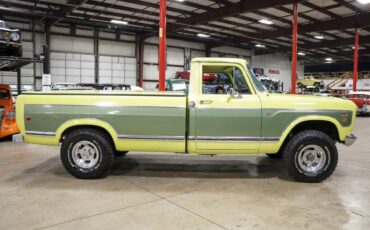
(65, 10)
(349, 22)
(226, 11)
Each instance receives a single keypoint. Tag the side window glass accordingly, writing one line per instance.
(240, 83)
(223, 79)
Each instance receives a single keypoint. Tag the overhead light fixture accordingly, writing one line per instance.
(364, 1)
(119, 22)
(319, 37)
(301, 54)
(180, 0)
(203, 35)
(265, 21)
(329, 59)
(260, 46)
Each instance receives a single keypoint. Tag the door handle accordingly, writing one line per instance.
(204, 102)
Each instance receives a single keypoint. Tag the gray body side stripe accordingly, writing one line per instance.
(180, 138)
(40, 133)
(152, 137)
(211, 138)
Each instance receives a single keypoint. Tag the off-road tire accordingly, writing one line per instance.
(104, 145)
(297, 143)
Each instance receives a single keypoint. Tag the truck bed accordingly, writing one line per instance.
(130, 117)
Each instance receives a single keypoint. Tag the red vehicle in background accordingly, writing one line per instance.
(8, 125)
(186, 76)
(362, 100)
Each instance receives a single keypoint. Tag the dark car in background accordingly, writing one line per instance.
(10, 41)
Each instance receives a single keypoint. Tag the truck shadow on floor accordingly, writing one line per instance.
(193, 167)
(157, 166)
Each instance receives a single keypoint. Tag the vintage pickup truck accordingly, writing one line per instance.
(95, 126)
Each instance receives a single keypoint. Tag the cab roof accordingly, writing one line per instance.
(218, 59)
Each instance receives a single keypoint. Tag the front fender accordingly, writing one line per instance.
(341, 130)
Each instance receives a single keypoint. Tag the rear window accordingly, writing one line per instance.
(4, 94)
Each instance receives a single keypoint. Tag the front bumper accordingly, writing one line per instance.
(350, 139)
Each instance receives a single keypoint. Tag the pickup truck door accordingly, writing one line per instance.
(225, 122)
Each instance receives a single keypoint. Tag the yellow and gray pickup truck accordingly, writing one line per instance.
(231, 113)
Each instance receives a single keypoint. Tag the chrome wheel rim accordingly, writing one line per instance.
(311, 159)
(85, 154)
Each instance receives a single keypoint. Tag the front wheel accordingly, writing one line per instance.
(310, 156)
(87, 153)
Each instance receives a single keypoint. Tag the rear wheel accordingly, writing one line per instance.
(87, 153)
(310, 156)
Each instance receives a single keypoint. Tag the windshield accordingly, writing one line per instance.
(4, 25)
(257, 84)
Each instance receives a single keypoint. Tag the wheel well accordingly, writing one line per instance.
(323, 126)
(73, 128)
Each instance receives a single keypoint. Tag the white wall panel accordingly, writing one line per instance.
(59, 29)
(232, 50)
(150, 54)
(175, 56)
(84, 32)
(107, 35)
(117, 70)
(127, 37)
(71, 44)
(116, 48)
(9, 80)
(57, 63)
(196, 53)
(150, 72)
(88, 79)
(130, 81)
(150, 85)
(69, 67)
(87, 73)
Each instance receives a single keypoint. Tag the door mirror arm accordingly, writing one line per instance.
(234, 93)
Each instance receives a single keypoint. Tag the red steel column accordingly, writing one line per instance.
(355, 62)
(294, 46)
(162, 45)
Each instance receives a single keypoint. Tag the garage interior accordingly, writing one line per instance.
(117, 42)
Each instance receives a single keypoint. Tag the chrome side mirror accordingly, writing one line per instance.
(235, 94)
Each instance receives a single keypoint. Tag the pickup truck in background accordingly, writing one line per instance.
(93, 127)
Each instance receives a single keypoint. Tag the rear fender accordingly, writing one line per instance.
(87, 122)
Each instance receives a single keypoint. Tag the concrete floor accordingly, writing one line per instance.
(167, 191)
